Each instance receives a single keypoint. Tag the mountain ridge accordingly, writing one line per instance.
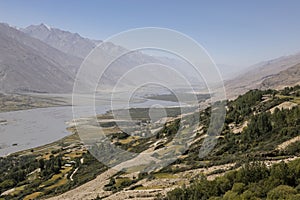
(257, 74)
(64, 52)
(26, 62)
(62, 40)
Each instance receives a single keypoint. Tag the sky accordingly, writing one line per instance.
(235, 33)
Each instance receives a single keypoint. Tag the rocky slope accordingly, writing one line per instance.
(264, 75)
(65, 41)
(286, 78)
(29, 65)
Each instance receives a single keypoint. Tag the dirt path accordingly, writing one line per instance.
(89, 190)
(283, 145)
(71, 177)
(284, 105)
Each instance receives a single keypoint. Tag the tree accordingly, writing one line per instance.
(42, 164)
(238, 188)
(176, 194)
(230, 195)
(252, 172)
(281, 192)
(282, 173)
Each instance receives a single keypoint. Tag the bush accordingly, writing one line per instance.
(7, 184)
(282, 192)
(238, 188)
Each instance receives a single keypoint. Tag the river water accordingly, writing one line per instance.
(32, 128)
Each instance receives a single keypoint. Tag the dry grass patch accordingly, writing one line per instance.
(58, 184)
(52, 181)
(129, 139)
(165, 176)
(33, 196)
(149, 187)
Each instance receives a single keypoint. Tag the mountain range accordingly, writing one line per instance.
(64, 52)
(40, 58)
(70, 43)
(272, 74)
(29, 65)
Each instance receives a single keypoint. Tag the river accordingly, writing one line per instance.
(27, 129)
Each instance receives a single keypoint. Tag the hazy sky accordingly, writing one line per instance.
(235, 33)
